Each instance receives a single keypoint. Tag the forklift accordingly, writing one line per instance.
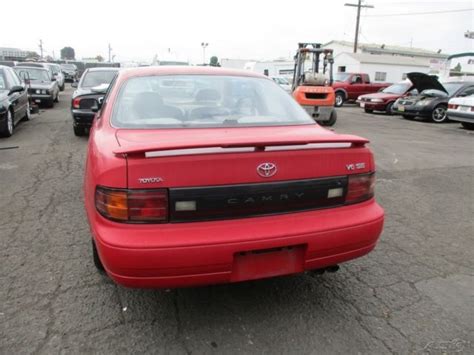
(311, 88)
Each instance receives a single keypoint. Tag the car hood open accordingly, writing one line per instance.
(423, 81)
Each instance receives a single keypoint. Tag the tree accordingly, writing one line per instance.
(32, 55)
(68, 53)
(214, 62)
(458, 68)
(99, 58)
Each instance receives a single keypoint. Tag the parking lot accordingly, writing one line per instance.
(413, 294)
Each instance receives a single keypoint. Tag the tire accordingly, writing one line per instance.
(8, 125)
(408, 117)
(368, 110)
(96, 258)
(389, 109)
(79, 131)
(332, 120)
(340, 98)
(27, 116)
(439, 114)
(468, 125)
(50, 103)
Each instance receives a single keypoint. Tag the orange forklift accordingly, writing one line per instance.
(311, 87)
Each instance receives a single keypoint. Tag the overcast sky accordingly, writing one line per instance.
(246, 29)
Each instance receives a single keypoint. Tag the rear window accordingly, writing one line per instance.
(96, 78)
(195, 101)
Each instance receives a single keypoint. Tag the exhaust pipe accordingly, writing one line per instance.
(331, 269)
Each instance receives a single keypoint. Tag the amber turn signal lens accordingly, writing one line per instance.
(112, 204)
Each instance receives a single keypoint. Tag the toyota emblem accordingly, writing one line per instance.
(266, 170)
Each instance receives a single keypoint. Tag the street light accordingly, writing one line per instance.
(204, 45)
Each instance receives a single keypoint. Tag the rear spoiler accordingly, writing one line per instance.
(336, 141)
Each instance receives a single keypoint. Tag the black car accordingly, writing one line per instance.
(43, 88)
(14, 104)
(70, 72)
(90, 89)
(432, 102)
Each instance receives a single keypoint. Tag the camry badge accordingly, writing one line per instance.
(266, 170)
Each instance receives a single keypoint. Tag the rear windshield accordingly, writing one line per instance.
(68, 66)
(195, 101)
(33, 74)
(96, 78)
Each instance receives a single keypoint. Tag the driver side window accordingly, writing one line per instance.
(467, 91)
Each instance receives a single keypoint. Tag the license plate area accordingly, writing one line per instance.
(257, 264)
(362, 104)
(401, 108)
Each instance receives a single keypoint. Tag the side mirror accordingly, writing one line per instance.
(97, 108)
(74, 84)
(16, 88)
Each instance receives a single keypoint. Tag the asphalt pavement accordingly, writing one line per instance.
(413, 294)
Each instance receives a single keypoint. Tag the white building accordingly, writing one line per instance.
(386, 63)
(381, 68)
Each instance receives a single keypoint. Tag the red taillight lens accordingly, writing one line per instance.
(146, 206)
(360, 187)
(452, 106)
(76, 103)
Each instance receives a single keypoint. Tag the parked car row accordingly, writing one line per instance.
(425, 97)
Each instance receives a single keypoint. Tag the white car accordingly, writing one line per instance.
(58, 74)
(283, 82)
(461, 109)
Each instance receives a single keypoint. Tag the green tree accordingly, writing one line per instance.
(68, 53)
(99, 58)
(214, 62)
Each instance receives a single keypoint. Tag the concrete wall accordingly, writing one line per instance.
(394, 72)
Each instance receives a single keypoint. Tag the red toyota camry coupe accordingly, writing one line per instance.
(205, 175)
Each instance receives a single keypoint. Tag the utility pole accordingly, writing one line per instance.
(359, 6)
(110, 53)
(41, 47)
(204, 45)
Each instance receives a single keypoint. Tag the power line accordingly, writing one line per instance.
(420, 13)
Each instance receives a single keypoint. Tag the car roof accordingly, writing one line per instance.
(103, 69)
(186, 70)
(26, 67)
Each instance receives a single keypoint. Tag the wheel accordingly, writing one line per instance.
(95, 256)
(439, 114)
(332, 120)
(368, 110)
(389, 109)
(340, 97)
(408, 117)
(6, 129)
(79, 131)
(468, 125)
(27, 116)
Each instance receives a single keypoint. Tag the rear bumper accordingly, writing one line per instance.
(461, 116)
(180, 255)
(83, 118)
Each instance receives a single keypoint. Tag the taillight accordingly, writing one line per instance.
(360, 187)
(76, 103)
(134, 206)
(452, 106)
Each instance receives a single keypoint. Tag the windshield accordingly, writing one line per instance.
(398, 89)
(33, 74)
(3, 83)
(196, 101)
(341, 76)
(452, 88)
(96, 78)
(69, 66)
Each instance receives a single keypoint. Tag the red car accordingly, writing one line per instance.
(384, 100)
(200, 175)
(349, 86)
